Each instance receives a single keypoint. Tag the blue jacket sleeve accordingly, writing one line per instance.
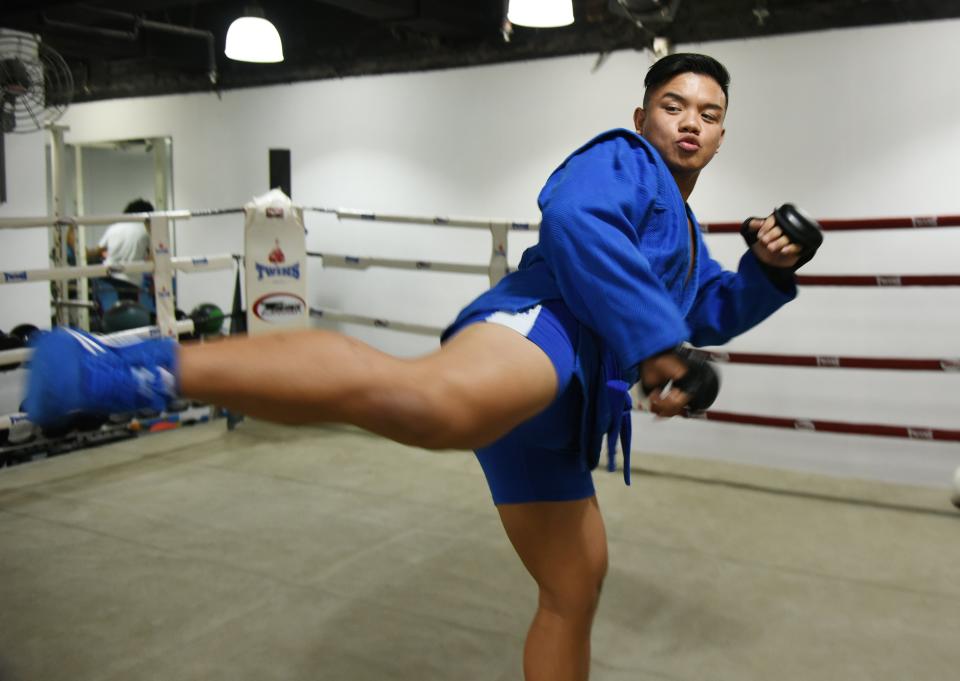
(594, 210)
(730, 303)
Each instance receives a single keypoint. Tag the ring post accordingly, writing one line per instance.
(498, 255)
(159, 228)
(80, 247)
(275, 258)
(57, 233)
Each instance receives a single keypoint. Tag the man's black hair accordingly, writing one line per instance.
(685, 62)
(139, 206)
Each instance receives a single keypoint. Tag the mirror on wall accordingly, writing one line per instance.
(100, 178)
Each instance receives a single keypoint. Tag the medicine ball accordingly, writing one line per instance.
(23, 332)
(207, 319)
(124, 315)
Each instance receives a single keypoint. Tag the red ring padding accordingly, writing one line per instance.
(881, 280)
(855, 224)
(910, 432)
(832, 362)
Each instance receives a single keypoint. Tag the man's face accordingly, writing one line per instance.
(683, 120)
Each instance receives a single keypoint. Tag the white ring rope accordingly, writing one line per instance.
(183, 327)
(435, 221)
(183, 264)
(66, 221)
(352, 262)
(334, 316)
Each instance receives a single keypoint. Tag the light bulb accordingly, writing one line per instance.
(253, 39)
(540, 13)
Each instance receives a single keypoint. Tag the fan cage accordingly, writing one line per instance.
(31, 103)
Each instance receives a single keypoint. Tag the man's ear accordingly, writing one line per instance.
(639, 116)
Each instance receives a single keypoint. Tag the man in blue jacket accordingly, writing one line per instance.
(534, 372)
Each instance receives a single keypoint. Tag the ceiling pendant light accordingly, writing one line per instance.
(540, 13)
(253, 38)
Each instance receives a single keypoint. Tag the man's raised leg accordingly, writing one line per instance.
(479, 385)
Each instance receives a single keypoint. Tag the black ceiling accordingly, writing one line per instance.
(122, 48)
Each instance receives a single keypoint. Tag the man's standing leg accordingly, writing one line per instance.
(563, 545)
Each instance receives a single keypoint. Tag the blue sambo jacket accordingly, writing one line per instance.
(615, 246)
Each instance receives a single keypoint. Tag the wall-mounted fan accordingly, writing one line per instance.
(35, 88)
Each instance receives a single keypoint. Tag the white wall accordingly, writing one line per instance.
(23, 249)
(844, 123)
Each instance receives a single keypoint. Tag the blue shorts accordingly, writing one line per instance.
(540, 459)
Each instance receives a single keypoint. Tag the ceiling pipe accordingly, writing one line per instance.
(110, 33)
(133, 35)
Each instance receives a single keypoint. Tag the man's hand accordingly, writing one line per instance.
(772, 247)
(786, 239)
(656, 372)
(675, 381)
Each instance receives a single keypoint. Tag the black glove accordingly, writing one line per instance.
(797, 226)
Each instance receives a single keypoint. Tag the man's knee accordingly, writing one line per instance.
(577, 594)
(573, 602)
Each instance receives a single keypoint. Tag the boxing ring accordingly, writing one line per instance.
(497, 267)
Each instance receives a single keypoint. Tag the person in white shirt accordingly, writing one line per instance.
(126, 241)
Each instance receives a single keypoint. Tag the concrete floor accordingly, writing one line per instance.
(275, 553)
